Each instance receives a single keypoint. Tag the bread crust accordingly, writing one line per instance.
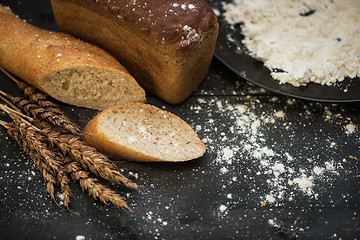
(33, 54)
(98, 139)
(167, 49)
(160, 21)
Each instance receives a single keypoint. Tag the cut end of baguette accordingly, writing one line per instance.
(93, 88)
(142, 132)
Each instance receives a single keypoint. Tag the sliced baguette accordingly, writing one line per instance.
(142, 132)
(70, 70)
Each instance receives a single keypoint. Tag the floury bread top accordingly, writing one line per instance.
(181, 23)
(165, 44)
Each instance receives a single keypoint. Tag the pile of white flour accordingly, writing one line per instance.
(301, 41)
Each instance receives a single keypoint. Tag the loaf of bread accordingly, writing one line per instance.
(166, 45)
(142, 132)
(66, 68)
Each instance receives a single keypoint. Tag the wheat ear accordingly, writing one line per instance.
(45, 171)
(51, 115)
(31, 92)
(35, 145)
(88, 157)
(93, 187)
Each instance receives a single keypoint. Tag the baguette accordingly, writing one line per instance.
(166, 45)
(142, 132)
(69, 70)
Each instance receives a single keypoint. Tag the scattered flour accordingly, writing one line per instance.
(318, 170)
(273, 223)
(227, 154)
(278, 169)
(279, 114)
(80, 237)
(61, 197)
(270, 198)
(305, 183)
(282, 177)
(222, 208)
(350, 128)
(301, 41)
(264, 151)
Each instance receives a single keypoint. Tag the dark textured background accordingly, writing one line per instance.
(182, 200)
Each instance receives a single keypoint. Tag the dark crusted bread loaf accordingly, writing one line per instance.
(142, 132)
(70, 70)
(166, 45)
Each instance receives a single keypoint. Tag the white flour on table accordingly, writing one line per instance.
(285, 176)
(301, 41)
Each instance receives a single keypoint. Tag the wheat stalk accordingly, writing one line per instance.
(52, 115)
(35, 140)
(28, 137)
(34, 144)
(31, 92)
(43, 108)
(93, 187)
(88, 157)
(45, 171)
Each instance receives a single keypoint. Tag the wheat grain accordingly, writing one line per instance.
(53, 115)
(93, 187)
(34, 144)
(43, 141)
(88, 157)
(45, 170)
(51, 158)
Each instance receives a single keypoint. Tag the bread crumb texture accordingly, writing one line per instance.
(142, 132)
(95, 88)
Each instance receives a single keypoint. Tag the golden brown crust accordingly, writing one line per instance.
(182, 23)
(32, 53)
(43, 52)
(172, 63)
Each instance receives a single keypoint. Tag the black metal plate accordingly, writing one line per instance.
(233, 55)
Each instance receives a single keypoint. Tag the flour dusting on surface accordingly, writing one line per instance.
(301, 41)
(285, 176)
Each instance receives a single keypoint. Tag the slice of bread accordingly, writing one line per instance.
(142, 132)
